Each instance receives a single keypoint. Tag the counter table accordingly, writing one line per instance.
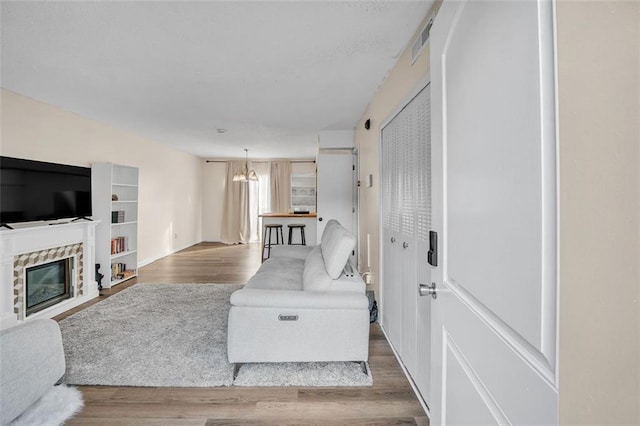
(308, 219)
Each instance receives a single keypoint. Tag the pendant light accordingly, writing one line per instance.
(246, 175)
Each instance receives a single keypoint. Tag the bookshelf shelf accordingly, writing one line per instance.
(124, 223)
(122, 254)
(121, 280)
(110, 179)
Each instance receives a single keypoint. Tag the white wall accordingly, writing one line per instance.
(214, 175)
(170, 180)
(599, 146)
(303, 168)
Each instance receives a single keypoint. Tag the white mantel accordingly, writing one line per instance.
(30, 238)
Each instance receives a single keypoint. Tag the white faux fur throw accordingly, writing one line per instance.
(57, 405)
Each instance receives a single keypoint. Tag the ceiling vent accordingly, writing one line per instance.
(420, 41)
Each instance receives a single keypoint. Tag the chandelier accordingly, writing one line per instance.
(246, 175)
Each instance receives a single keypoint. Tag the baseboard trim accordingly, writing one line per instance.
(406, 373)
(153, 259)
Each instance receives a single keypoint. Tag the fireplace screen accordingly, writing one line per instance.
(48, 284)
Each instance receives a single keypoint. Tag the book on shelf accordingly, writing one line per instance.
(117, 216)
(128, 273)
(119, 271)
(119, 245)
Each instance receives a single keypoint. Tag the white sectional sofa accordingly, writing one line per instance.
(304, 304)
(31, 362)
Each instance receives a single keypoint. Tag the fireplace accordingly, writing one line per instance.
(31, 245)
(48, 284)
(57, 265)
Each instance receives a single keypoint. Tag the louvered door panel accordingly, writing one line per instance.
(422, 178)
(406, 204)
(407, 146)
(391, 301)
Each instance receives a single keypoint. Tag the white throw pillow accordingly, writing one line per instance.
(337, 244)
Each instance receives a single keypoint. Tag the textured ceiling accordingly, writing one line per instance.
(273, 73)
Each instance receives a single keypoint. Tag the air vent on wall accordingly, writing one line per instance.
(420, 41)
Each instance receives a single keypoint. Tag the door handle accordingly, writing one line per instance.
(432, 254)
(319, 219)
(405, 244)
(425, 290)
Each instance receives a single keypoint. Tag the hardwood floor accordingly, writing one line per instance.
(390, 401)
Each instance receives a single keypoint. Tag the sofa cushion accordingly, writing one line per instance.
(337, 244)
(295, 252)
(315, 277)
(278, 273)
(328, 229)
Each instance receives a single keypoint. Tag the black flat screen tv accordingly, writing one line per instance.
(35, 191)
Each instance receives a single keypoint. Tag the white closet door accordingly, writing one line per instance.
(391, 303)
(407, 247)
(406, 219)
(422, 178)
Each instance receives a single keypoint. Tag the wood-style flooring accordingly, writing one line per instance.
(390, 401)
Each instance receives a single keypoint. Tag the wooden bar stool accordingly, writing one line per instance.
(266, 238)
(302, 237)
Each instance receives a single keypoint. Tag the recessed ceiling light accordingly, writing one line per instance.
(221, 130)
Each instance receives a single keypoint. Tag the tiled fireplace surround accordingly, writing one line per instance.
(32, 245)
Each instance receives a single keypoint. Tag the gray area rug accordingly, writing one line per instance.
(303, 374)
(151, 335)
(175, 335)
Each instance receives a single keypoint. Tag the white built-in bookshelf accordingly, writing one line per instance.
(115, 203)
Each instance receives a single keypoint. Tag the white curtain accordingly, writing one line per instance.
(258, 198)
(236, 226)
(280, 186)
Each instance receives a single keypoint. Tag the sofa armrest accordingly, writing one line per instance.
(348, 283)
(299, 299)
(31, 362)
(295, 252)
